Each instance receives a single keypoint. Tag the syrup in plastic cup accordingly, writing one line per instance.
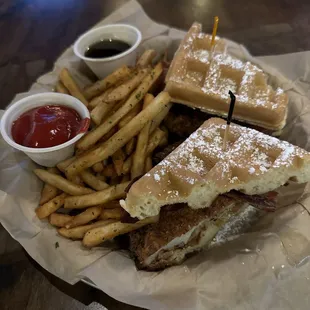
(104, 66)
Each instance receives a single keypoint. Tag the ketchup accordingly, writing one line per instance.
(47, 126)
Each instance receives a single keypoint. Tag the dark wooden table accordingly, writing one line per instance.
(35, 32)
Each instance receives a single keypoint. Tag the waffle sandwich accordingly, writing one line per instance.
(201, 76)
(180, 232)
(199, 170)
(198, 188)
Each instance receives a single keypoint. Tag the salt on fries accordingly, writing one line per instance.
(126, 131)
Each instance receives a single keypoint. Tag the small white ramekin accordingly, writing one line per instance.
(104, 66)
(49, 156)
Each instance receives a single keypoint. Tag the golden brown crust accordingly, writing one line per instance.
(175, 220)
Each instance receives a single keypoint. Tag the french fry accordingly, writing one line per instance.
(98, 198)
(76, 179)
(109, 171)
(154, 140)
(79, 231)
(84, 217)
(93, 181)
(115, 108)
(148, 164)
(96, 102)
(70, 84)
(60, 88)
(100, 234)
(100, 86)
(148, 98)
(100, 99)
(130, 115)
(111, 204)
(62, 167)
(54, 170)
(164, 141)
(109, 134)
(98, 167)
(79, 152)
(146, 58)
(65, 163)
(127, 87)
(51, 206)
(101, 177)
(59, 219)
(61, 183)
(108, 148)
(101, 111)
(49, 191)
(93, 136)
(130, 146)
(115, 214)
(139, 156)
(127, 165)
(105, 110)
(118, 161)
(159, 118)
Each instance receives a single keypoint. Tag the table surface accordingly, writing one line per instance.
(37, 31)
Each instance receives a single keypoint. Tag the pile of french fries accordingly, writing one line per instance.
(126, 129)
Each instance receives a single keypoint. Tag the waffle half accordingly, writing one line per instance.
(201, 78)
(199, 170)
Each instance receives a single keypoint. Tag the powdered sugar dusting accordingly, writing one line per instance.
(156, 177)
(213, 72)
(199, 170)
(251, 170)
(201, 159)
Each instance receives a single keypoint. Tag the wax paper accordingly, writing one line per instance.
(266, 267)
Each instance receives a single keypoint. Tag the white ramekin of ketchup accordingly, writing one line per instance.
(45, 126)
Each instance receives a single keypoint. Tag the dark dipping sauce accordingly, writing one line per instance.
(47, 126)
(106, 48)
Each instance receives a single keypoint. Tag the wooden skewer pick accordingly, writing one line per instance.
(231, 110)
(216, 22)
